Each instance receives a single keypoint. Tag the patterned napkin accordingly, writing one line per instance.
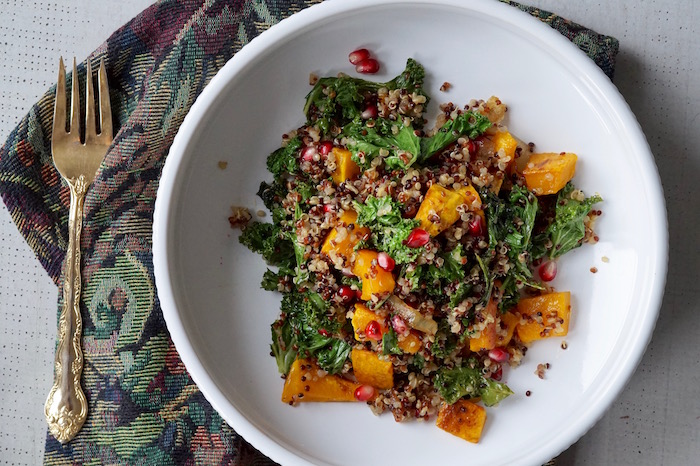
(143, 406)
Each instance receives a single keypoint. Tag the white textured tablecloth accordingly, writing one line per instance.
(656, 421)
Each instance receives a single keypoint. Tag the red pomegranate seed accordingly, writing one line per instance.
(324, 332)
(417, 238)
(327, 208)
(471, 146)
(307, 153)
(497, 374)
(364, 393)
(358, 55)
(346, 294)
(370, 112)
(368, 66)
(399, 325)
(499, 354)
(385, 261)
(373, 330)
(325, 147)
(476, 226)
(358, 294)
(548, 270)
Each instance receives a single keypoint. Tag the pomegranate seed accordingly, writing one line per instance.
(499, 354)
(358, 294)
(325, 147)
(497, 374)
(385, 261)
(324, 332)
(346, 294)
(399, 325)
(327, 208)
(368, 66)
(476, 226)
(548, 270)
(358, 55)
(373, 330)
(364, 393)
(370, 112)
(417, 238)
(471, 146)
(307, 153)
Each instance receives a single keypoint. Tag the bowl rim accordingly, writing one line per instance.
(567, 51)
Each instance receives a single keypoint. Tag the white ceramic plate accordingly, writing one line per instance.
(208, 283)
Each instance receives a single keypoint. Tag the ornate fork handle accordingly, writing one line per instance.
(66, 406)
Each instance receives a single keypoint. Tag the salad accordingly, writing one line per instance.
(413, 262)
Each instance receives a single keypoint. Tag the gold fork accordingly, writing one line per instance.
(77, 162)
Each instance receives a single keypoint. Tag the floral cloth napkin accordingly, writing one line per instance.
(143, 406)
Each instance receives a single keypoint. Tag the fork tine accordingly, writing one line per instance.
(90, 130)
(105, 107)
(59, 111)
(75, 103)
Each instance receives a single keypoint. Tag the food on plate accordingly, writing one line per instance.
(414, 263)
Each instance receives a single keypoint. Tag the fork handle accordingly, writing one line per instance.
(66, 406)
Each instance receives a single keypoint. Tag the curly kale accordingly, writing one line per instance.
(305, 329)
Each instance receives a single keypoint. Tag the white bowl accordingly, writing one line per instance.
(208, 283)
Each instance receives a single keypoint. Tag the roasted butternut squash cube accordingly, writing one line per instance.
(325, 387)
(370, 370)
(505, 141)
(488, 338)
(342, 239)
(438, 211)
(547, 173)
(463, 418)
(510, 321)
(471, 197)
(361, 318)
(544, 316)
(345, 168)
(375, 280)
(410, 343)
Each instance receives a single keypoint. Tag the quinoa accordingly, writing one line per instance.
(240, 216)
(405, 244)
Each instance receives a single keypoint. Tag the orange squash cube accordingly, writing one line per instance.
(345, 168)
(410, 344)
(361, 318)
(545, 316)
(324, 387)
(504, 140)
(511, 321)
(463, 418)
(438, 211)
(488, 338)
(547, 173)
(375, 280)
(345, 246)
(370, 370)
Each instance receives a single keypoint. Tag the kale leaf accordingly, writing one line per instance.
(400, 142)
(459, 382)
(388, 228)
(493, 392)
(339, 100)
(390, 343)
(268, 240)
(510, 223)
(284, 160)
(283, 345)
(467, 124)
(310, 332)
(568, 230)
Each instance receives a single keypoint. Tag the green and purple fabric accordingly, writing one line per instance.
(143, 406)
